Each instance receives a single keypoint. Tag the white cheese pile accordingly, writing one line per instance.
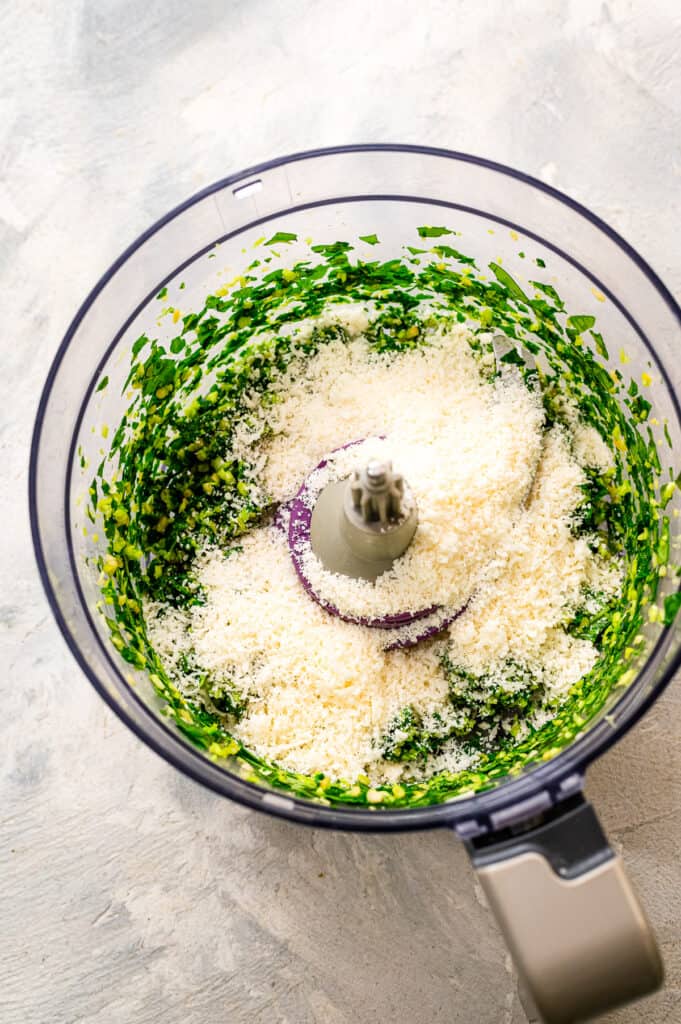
(468, 449)
(321, 690)
(492, 530)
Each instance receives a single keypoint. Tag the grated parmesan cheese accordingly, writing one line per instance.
(495, 494)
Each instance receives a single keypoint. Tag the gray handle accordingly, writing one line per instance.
(575, 928)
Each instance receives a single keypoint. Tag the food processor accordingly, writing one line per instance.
(578, 935)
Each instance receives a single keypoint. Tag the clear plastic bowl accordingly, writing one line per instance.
(329, 195)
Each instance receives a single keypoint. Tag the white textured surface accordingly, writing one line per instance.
(127, 894)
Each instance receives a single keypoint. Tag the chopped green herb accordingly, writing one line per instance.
(511, 286)
(454, 254)
(429, 232)
(600, 344)
(579, 324)
(672, 604)
(667, 435)
(282, 236)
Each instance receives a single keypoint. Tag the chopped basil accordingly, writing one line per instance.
(428, 232)
(282, 236)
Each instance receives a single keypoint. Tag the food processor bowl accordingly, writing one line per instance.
(576, 931)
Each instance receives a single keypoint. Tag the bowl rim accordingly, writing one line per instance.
(539, 786)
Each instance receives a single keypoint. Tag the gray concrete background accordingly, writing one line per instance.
(127, 894)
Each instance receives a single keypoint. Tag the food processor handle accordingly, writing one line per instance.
(578, 935)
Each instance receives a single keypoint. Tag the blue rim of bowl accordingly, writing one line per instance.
(557, 777)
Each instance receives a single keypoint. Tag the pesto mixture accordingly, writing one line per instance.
(165, 491)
